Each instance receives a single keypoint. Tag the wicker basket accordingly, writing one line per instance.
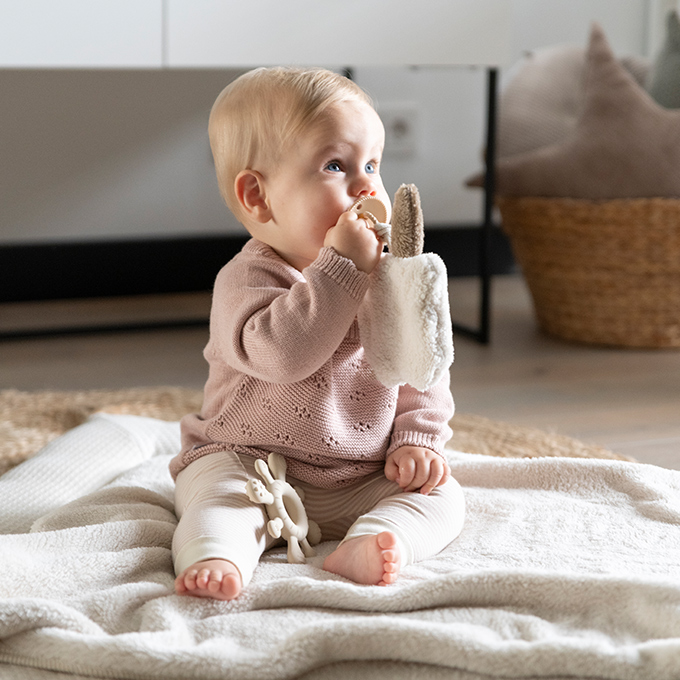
(602, 272)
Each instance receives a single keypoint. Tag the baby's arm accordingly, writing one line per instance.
(279, 325)
(353, 238)
(414, 468)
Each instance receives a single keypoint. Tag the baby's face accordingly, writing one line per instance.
(321, 175)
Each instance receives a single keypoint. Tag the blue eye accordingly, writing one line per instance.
(371, 168)
(334, 166)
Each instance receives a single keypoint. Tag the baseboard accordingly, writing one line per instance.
(70, 270)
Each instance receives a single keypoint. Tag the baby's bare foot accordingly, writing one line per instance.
(371, 560)
(218, 579)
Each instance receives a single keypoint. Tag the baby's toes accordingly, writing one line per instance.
(203, 578)
(387, 541)
(391, 567)
(230, 586)
(390, 556)
(390, 573)
(388, 578)
(215, 581)
(186, 581)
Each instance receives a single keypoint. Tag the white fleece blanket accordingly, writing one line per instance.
(565, 568)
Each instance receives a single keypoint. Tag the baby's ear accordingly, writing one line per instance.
(250, 193)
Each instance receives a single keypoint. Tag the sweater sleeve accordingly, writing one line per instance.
(273, 323)
(422, 418)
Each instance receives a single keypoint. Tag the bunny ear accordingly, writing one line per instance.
(263, 471)
(277, 464)
(408, 234)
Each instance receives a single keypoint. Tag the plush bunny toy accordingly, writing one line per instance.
(404, 320)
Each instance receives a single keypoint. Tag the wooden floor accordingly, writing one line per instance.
(625, 400)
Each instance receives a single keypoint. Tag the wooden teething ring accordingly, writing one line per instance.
(372, 206)
(374, 211)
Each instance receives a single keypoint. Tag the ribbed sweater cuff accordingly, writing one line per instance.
(425, 441)
(342, 271)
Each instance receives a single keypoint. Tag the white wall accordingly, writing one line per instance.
(101, 154)
(90, 154)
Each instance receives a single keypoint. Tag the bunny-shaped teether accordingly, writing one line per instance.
(283, 503)
(404, 320)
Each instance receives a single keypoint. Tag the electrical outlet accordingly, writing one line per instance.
(401, 129)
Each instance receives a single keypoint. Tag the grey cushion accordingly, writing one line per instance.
(623, 144)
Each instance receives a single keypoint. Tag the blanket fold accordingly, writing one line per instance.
(81, 461)
(565, 568)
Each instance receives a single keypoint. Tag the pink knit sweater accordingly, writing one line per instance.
(288, 375)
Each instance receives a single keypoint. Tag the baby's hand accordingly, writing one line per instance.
(415, 468)
(353, 238)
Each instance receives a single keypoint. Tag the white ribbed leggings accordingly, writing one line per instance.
(218, 520)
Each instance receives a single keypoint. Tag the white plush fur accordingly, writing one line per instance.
(405, 322)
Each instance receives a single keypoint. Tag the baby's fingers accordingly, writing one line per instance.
(421, 474)
(352, 238)
(407, 472)
(439, 474)
(391, 469)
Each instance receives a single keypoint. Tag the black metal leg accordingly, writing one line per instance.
(483, 333)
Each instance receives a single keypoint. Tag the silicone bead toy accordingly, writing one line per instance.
(283, 503)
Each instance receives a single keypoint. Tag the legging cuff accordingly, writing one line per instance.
(208, 548)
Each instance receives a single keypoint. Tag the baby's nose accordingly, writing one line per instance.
(364, 187)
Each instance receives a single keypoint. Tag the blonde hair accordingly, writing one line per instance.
(259, 113)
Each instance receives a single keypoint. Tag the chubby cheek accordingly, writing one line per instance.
(329, 212)
(319, 225)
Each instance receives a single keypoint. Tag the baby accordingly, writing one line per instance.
(294, 149)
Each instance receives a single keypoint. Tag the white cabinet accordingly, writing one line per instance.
(213, 33)
(224, 33)
(81, 33)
